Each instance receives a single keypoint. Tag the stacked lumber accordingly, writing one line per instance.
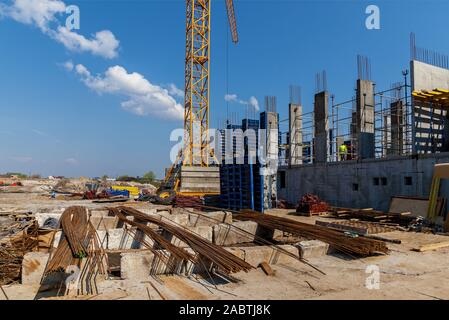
(398, 219)
(359, 227)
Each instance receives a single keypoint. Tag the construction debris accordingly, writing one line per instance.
(311, 204)
(13, 249)
(431, 247)
(267, 269)
(188, 202)
(398, 219)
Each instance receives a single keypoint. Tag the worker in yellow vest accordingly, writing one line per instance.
(343, 151)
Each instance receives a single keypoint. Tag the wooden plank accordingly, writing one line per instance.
(416, 207)
(267, 269)
(433, 246)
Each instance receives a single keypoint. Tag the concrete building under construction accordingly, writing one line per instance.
(393, 138)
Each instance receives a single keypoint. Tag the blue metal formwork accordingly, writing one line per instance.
(241, 184)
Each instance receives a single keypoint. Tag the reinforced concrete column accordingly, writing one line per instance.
(321, 112)
(295, 134)
(270, 122)
(397, 127)
(365, 145)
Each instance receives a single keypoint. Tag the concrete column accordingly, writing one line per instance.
(397, 129)
(295, 133)
(321, 110)
(365, 119)
(270, 122)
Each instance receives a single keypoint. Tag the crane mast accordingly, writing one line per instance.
(196, 150)
(197, 74)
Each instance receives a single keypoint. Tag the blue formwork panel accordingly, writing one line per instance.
(241, 187)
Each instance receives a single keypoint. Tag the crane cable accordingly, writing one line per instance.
(227, 71)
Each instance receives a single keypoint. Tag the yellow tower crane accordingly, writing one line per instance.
(196, 150)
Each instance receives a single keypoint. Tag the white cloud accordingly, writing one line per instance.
(103, 43)
(251, 102)
(143, 97)
(44, 13)
(68, 65)
(231, 98)
(71, 161)
(41, 133)
(35, 12)
(175, 91)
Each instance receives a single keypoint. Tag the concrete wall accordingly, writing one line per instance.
(351, 183)
(431, 127)
(200, 179)
(428, 77)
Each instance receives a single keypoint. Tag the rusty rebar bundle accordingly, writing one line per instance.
(78, 241)
(359, 246)
(207, 251)
(14, 249)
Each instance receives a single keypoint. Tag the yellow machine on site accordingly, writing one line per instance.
(197, 97)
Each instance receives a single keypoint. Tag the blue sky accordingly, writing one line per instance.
(56, 119)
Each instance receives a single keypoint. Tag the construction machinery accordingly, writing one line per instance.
(194, 157)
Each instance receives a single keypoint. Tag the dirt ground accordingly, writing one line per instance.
(402, 274)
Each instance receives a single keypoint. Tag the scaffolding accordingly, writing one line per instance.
(393, 123)
(431, 110)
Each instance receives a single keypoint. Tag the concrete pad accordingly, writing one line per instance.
(140, 265)
(115, 239)
(164, 213)
(312, 249)
(136, 265)
(148, 210)
(99, 213)
(204, 232)
(104, 223)
(237, 252)
(256, 255)
(33, 267)
(20, 292)
(210, 218)
(225, 235)
(177, 210)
